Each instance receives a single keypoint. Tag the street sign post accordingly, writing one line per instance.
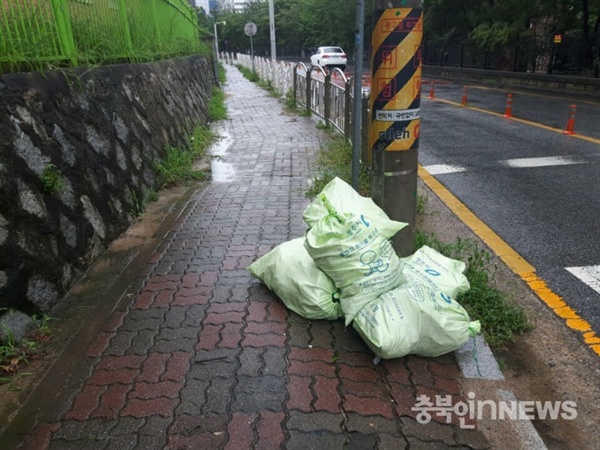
(250, 30)
(395, 102)
(357, 103)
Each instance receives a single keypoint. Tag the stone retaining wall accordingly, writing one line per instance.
(102, 131)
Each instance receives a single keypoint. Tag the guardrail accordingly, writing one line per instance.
(83, 32)
(328, 94)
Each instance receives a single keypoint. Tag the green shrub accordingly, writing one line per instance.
(52, 179)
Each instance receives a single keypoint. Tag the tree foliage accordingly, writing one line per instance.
(303, 25)
(493, 24)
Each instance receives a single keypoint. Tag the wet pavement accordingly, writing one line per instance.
(189, 351)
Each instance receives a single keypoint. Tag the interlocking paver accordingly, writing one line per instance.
(203, 356)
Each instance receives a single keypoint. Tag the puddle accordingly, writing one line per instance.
(221, 171)
(220, 147)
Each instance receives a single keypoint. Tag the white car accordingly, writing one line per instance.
(329, 57)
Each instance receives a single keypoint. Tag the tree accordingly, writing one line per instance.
(302, 25)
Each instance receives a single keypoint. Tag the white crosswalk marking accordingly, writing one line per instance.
(590, 275)
(440, 169)
(541, 162)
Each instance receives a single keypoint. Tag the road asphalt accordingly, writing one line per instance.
(169, 343)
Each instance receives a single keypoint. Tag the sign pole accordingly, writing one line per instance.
(395, 101)
(250, 30)
(252, 54)
(357, 103)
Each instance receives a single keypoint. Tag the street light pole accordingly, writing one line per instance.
(272, 29)
(216, 45)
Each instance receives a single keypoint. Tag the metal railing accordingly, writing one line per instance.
(534, 54)
(328, 94)
(79, 32)
(325, 94)
(279, 73)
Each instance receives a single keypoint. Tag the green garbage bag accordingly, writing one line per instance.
(435, 270)
(292, 275)
(414, 319)
(352, 251)
(345, 199)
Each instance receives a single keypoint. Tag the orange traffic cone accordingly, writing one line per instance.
(508, 109)
(431, 91)
(570, 129)
(464, 97)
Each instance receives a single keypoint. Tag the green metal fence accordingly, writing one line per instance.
(35, 33)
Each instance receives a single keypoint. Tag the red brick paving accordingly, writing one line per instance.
(298, 381)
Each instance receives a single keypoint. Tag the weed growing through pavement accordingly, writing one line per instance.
(222, 74)
(42, 323)
(255, 78)
(248, 73)
(421, 203)
(268, 86)
(290, 103)
(216, 107)
(501, 320)
(323, 125)
(52, 179)
(178, 165)
(14, 354)
(335, 160)
(141, 203)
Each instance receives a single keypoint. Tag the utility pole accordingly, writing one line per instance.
(357, 104)
(395, 101)
(272, 28)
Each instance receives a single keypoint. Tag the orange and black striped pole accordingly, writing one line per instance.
(395, 102)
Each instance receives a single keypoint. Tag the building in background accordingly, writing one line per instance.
(211, 6)
(235, 5)
(204, 4)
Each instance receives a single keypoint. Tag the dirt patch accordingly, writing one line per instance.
(549, 363)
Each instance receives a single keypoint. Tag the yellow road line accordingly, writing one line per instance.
(527, 122)
(513, 260)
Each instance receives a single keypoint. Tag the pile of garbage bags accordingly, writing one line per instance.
(345, 267)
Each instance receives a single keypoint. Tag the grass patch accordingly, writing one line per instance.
(16, 354)
(255, 78)
(335, 160)
(268, 86)
(249, 74)
(178, 165)
(221, 73)
(501, 320)
(421, 203)
(141, 203)
(290, 104)
(322, 125)
(216, 106)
